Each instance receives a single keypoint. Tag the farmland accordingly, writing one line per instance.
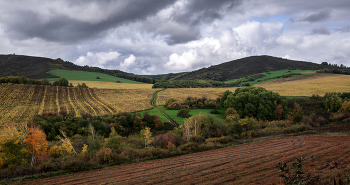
(181, 94)
(307, 85)
(20, 102)
(251, 163)
(111, 85)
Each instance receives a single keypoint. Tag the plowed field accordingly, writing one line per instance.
(252, 163)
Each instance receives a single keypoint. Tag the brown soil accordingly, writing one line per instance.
(252, 163)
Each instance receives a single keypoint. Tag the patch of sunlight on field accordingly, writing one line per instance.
(111, 85)
(183, 93)
(307, 85)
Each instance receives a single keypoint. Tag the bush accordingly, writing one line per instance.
(222, 140)
(74, 164)
(190, 146)
(345, 108)
(169, 101)
(207, 125)
(184, 113)
(45, 82)
(166, 140)
(256, 102)
(63, 82)
(332, 101)
(297, 113)
(197, 139)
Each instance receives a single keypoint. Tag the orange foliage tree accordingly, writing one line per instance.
(36, 143)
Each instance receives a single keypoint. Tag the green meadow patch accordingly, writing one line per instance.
(88, 76)
(273, 74)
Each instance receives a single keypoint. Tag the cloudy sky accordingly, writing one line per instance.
(162, 36)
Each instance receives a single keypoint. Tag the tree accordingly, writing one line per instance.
(332, 101)
(36, 143)
(66, 143)
(12, 146)
(45, 82)
(256, 102)
(146, 135)
(63, 82)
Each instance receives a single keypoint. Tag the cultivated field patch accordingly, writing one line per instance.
(307, 85)
(111, 85)
(251, 163)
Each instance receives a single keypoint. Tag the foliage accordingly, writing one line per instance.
(45, 82)
(18, 80)
(332, 101)
(192, 84)
(167, 140)
(292, 175)
(57, 151)
(184, 113)
(214, 112)
(169, 101)
(147, 136)
(297, 113)
(63, 82)
(255, 102)
(204, 125)
(36, 143)
(66, 143)
(345, 108)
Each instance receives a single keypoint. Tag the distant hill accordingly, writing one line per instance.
(37, 68)
(241, 68)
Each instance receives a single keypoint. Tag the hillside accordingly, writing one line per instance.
(241, 68)
(37, 68)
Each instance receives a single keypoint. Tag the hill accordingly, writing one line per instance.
(242, 68)
(38, 68)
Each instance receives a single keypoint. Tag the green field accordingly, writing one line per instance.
(88, 76)
(179, 120)
(273, 74)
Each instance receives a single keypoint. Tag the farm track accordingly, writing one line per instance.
(251, 163)
(154, 105)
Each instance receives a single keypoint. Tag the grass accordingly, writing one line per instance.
(88, 76)
(274, 74)
(290, 97)
(111, 85)
(179, 120)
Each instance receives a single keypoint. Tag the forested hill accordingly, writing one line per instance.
(36, 67)
(242, 68)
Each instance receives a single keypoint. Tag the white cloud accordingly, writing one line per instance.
(182, 62)
(97, 59)
(127, 62)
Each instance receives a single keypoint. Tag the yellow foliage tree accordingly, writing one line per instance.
(146, 135)
(66, 143)
(345, 108)
(36, 143)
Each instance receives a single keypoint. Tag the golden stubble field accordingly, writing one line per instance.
(21, 102)
(308, 85)
(183, 93)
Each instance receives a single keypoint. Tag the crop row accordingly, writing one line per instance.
(21, 102)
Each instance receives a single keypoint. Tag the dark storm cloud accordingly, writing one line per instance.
(204, 11)
(314, 17)
(196, 12)
(65, 29)
(320, 31)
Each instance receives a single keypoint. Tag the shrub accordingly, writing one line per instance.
(222, 140)
(197, 139)
(164, 140)
(103, 155)
(176, 105)
(45, 82)
(255, 102)
(345, 108)
(332, 101)
(297, 113)
(205, 125)
(214, 111)
(63, 82)
(74, 163)
(189, 146)
(184, 113)
(169, 101)
(97, 77)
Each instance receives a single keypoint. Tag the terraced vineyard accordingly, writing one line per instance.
(252, 163)
(20, 102)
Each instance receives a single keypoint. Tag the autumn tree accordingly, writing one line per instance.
(36, 143)
(146, 135)
(12, 146)
(66, 143)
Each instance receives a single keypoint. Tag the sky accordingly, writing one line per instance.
(168, 36)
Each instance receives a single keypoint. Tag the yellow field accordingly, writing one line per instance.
(21, 102)
(182, 93)
(307, 85)
(111, 85)
(128, 100)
